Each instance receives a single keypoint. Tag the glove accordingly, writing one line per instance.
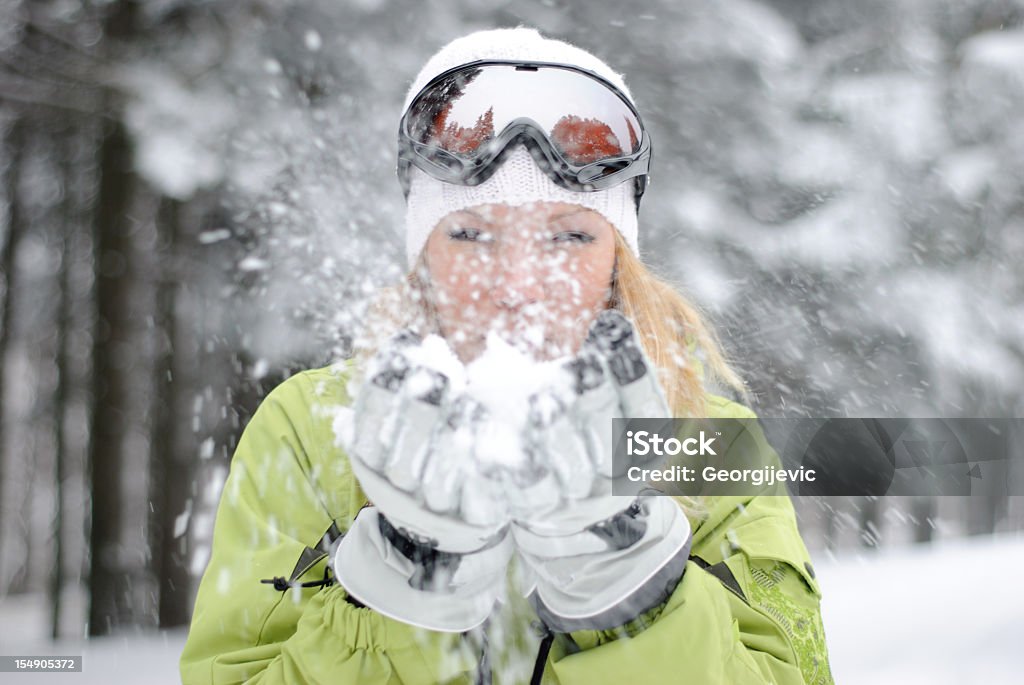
(599, 560)
(433, 550)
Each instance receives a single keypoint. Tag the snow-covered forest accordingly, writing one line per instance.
(198, 198)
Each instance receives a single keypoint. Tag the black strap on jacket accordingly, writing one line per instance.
(307, 560)
(724, 574)
(541, 663)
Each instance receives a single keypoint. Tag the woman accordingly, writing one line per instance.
(523, 162)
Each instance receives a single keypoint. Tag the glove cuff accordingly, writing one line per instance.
(653, 593)
(606, 589)
(414, 583)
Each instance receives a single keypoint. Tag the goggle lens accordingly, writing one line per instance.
(582, 118)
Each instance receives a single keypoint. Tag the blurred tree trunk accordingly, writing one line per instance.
(110, 603)
(108, 579)
(69, 215)
(15, 146)
(923, 510)
(170, 467)
(870, 521)
(60, 456)
(832, 528)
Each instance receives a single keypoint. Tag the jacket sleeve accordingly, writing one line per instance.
(272, 513)
(747, 609)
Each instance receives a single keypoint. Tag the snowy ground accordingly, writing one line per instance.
(949, 613)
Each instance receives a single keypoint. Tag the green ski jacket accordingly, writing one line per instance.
(745, 611)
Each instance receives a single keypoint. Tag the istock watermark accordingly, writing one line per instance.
(862, 456)
(647, 443)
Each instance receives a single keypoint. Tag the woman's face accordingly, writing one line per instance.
(535, 274)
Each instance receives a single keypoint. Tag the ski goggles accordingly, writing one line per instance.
(581, 130)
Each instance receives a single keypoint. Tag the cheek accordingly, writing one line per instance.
(581, 283)
(459, 284)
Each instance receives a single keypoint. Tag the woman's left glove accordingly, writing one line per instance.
(599, 560)
(433, 550)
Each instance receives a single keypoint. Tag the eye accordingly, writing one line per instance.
(470, 235)
(581, 237)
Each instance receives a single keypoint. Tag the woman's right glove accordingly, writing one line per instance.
(599, 560)
(432, 550)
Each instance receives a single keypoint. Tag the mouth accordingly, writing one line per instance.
(532, 342)
(539, 340)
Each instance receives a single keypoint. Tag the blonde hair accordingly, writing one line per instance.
(674, 333)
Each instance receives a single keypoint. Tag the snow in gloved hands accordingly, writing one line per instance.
(495, 408)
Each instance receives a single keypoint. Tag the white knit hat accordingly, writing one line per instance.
(519, 180)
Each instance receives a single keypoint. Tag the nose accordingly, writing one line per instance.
(518, 283)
